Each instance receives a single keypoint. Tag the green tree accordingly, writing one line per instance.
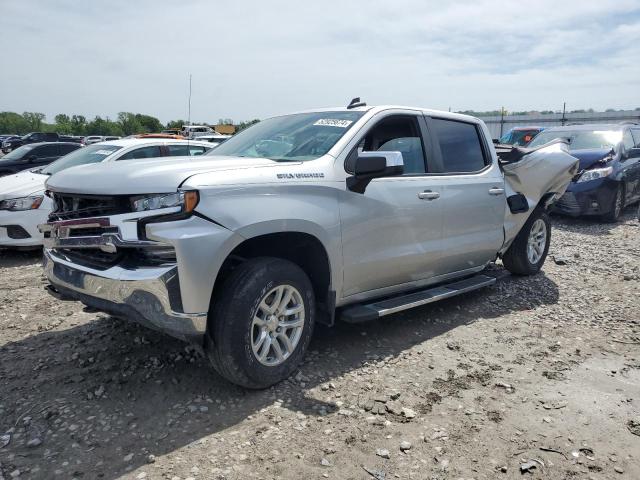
(103, 126)
(129, 124)
(246, 124)
(149, 123)
(34, 120)
(11, 122)
(63, 124)
(78, 124)
(176, 123)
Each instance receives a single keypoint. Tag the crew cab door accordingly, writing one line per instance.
(391, 233)
(472, 194)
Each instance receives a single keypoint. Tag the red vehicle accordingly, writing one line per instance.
(520, 136)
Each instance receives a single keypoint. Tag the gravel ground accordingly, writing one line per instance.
(532, 378)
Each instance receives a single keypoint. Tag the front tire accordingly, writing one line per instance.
(618, 206)
(261, 322)
(527, 253)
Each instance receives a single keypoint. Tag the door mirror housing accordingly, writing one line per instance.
(31, 158)
(633, 152)
(370, 165)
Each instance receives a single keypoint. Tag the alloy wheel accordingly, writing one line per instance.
(277, 325)
(537, 241)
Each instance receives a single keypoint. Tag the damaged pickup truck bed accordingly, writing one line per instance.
(351, 213)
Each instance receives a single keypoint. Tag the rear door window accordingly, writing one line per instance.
(45, 151)
(185, 150)
(150, 151)
(460, 146)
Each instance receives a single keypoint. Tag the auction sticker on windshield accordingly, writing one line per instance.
(333, 122)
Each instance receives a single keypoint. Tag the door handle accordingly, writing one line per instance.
(428, 195)
(496, 191)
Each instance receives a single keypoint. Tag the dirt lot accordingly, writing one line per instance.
(539, 374)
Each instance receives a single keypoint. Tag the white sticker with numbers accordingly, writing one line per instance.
(333, 122)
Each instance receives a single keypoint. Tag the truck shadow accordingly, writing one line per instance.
(97, 392)
(20, 258)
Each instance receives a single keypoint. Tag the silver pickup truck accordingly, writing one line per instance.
(346, 213)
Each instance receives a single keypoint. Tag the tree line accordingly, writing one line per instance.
(127, 123)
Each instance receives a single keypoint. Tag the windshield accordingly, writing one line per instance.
(518, 137)
(17, 153)
(91, 154)
(298, 137)
(581, 139)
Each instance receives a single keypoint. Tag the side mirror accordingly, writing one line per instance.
(369, 165)
(31, 158)
(633, 152)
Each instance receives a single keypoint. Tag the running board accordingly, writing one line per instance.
(373, 311)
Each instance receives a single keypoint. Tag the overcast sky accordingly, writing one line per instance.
(257, 58)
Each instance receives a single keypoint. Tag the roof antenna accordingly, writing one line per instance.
(355, 103)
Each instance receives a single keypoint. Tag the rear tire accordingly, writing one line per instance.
(251, 315)
(527, 253)
(618, 206)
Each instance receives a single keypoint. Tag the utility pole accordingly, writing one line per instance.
(501, 120)
(189, 114)
(564, 110)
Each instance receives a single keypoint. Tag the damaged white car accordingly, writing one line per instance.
(346, 213)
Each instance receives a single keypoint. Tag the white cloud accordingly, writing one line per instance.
(257, 58)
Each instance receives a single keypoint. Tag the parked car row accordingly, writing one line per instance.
(23, 204)
(9, 143)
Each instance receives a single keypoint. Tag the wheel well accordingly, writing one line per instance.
(303, 249)
(544, 201)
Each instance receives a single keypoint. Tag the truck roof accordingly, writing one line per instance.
(380, 108)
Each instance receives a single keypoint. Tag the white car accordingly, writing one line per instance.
(24, 205)
(93, 139)
(195, 131)
(216, 139)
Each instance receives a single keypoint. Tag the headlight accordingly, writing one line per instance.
(595, 174)
(24, 203)
(187, 200)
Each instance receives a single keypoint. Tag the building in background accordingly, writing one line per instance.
(225, 129)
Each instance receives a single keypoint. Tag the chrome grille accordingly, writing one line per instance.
(67, 206)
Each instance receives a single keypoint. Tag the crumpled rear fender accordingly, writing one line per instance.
(543, 174)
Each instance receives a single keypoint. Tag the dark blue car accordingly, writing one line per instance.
(609, 176)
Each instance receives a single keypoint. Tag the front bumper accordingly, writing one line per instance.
(149, 295)
(20, 229)
(589, 198)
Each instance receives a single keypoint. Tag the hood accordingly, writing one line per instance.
(21, 184)
(591, 156)
(130, 177)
